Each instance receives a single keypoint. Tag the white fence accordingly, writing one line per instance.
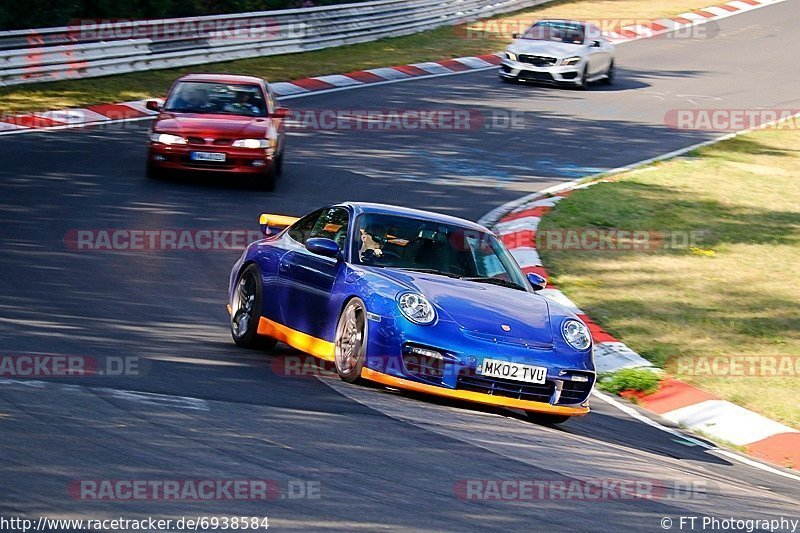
(98, 48)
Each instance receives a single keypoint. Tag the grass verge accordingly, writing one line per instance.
(430, 45)
(722, 312)
(629, 379)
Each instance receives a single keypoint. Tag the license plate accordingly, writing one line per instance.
(495, 368)
(207, 156)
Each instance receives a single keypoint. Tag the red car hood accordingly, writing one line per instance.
(201, 125)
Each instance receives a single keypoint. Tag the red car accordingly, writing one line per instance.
(218, 123)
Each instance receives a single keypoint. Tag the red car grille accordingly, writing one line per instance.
(206, 141)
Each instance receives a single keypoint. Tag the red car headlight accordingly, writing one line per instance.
(251, 143)
(167, 138)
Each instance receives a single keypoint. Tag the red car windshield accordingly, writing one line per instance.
(559, 32)
(217, 98)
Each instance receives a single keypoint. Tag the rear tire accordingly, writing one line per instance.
(545, 419)
(350, 344)
(246, 311)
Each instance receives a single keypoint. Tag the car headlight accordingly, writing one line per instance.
(251, 143)
(574, 60)
(576, 334)
(416, 308)
(167, 138)
(511, 55)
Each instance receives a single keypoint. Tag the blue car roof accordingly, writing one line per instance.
(383, 209)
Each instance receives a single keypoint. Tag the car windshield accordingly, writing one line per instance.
(559, 32)
(435, 247)
(218, 98)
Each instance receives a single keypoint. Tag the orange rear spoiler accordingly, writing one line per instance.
(271, 224)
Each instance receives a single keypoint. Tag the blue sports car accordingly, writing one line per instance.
(413, 300)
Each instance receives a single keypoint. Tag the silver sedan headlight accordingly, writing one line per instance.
(416, 308)
(167, 138)
(511, 55)
(576, 334)
(574, 60)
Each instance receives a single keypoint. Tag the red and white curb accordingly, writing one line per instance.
(689, 19)
(78, 117)
(132, 111)
(516, 224)
(517, 229)
(383, 75)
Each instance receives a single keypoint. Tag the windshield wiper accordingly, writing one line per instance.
(431, 271)
(495, 281)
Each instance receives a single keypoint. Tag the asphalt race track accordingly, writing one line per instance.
(202, 408)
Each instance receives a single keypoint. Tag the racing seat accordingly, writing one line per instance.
(341, 237)
(437, 255)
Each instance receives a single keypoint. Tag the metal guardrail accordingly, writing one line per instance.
(99, 48)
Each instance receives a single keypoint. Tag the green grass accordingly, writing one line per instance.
(733, 292)
(430, 45)
(629, 379)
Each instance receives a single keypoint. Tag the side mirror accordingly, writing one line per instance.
(281, 112)
(153, 105)
(322, 246)
(537, 282)
(515, 35)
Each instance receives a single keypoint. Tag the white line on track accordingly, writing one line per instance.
(179, 402)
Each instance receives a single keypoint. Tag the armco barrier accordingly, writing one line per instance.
(91, 49)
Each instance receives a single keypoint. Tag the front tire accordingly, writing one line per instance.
(153, 172)
(583, 84)
(350, 344)
(246, 311)
(545, 419)
(610, 75)
(278, 165)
